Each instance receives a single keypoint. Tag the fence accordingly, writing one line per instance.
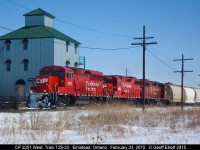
(12, 102)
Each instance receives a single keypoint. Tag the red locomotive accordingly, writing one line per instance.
(120, 87)
(58, 85)
(154, 91)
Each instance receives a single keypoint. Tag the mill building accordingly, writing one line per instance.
(24, 51)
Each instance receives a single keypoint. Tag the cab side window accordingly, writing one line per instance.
(69, 75)
(62, 74)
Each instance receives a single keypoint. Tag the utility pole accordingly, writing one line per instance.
(143, 44)
(126, 72)
(182, 75)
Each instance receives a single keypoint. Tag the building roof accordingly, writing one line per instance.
(37, 12)
(32, 32)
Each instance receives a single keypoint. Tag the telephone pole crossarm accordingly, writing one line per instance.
(183, 59)
(183, 71)
(137, 43)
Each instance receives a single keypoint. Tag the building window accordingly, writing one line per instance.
(76, 48)
(67, 46)
(25, 44)
(25, 62)
(8, 64)
(75, 64)
(67, 63)
(8, 42)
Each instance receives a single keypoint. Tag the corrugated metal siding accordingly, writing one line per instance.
(39, 54)
(190, 95)
(39, 20)
(48, 21)
(34, 20)
(175, 93)
(61, 55)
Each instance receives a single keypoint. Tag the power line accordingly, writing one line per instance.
(191, 80)
(94, 30)
(108, 48)
(169, 67)
(6, 28)
(18, 4)
(165, 55)
(86, 47)
(78, 26)
(161, 60)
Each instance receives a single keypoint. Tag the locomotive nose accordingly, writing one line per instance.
(41, 84)
(41, 80)
(46, 84)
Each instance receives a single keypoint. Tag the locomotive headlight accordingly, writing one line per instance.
(45, 91)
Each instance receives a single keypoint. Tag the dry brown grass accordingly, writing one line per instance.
(47, 122)
(116, 120)
(114, 116)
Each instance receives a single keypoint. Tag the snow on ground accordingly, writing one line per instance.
(80, 126)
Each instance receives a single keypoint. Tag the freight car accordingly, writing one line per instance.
(58, 85)
(197, 96)
(190, 95)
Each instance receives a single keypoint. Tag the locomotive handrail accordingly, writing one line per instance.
(55, 92)
(49, 87)
(28, 90)
(75, 85)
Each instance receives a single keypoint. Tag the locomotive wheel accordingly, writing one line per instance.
(93, 100)
(72, 100)
(52, 106)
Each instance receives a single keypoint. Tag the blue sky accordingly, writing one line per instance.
(173, 23)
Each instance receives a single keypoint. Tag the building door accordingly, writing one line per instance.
(20, 90)
(20, 93)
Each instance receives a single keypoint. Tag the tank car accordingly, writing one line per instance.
(197, 96)
(174, 93)
(189, 95)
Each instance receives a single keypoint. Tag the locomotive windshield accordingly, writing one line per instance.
(46, 73)
(108, 80)
(53, 73)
